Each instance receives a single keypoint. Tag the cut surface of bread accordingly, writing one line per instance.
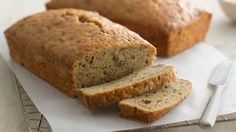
(154, 104)
(73, 49)
(171, 25)
(129, 86)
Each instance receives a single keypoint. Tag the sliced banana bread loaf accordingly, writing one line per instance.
(134, 84)
(171, 25)
(154, 104)
(73, 49)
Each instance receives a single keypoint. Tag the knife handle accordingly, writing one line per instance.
(210, 113)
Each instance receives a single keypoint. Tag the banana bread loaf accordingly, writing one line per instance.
(73, 49)
(129, 86)
(171, 25)
(154, 104)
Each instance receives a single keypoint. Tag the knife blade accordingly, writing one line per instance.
(218, 80)
(222, 73)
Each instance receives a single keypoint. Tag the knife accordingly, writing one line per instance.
(218, 81)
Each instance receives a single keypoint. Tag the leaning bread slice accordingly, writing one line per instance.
(129, 86)
(154, 104)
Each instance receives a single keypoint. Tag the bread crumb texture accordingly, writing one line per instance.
(129, 86)
(154, 104)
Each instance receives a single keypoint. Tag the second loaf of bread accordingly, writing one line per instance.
(73, 49)
(171, 25)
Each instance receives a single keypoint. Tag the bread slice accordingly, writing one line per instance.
(73, 49)
(154, 104)
(132, 85)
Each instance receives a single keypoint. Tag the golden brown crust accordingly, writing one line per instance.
(129, 111)
(114, 96)
(171, 25)
(45, 67)
(134, 113)
(185, 37)
(50, 43)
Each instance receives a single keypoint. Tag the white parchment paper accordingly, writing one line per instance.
(67, 114)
